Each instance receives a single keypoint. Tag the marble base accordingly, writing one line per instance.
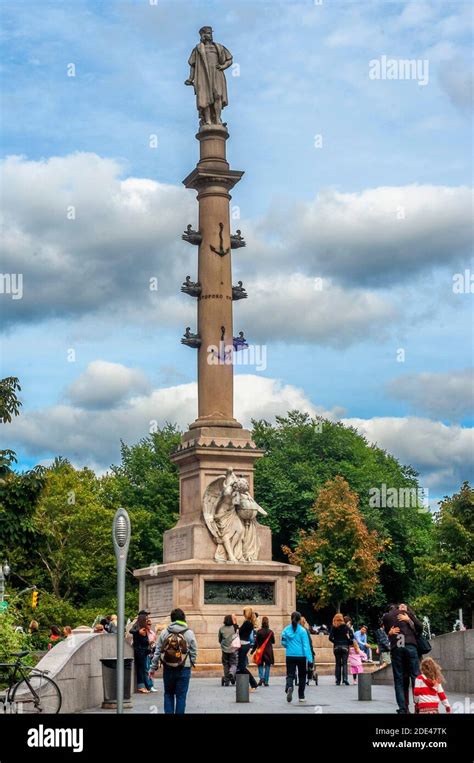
(183, 584)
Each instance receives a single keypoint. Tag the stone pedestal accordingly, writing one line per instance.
(207, 591)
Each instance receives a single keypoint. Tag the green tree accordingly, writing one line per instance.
(19, 493)
(448, 572)
(9, 407)
(146, 484)
(11, 639)
(73, 550)
(339, 557)
(302, 454)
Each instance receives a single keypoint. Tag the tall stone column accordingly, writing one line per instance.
(216, 441)
(213, 179)
(213, 566)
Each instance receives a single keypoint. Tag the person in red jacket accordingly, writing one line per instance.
(428, 691)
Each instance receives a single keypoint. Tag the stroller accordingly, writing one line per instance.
(311, 674)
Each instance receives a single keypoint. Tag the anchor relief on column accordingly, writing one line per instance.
(221, 251)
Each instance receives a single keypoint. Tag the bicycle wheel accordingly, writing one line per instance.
(36, 693)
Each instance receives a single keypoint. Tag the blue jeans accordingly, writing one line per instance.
(148, 680)
(405, 663)
(142, 666)
(264, 673)
(176, 683)
(366, 649)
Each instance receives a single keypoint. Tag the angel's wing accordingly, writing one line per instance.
(209, 502)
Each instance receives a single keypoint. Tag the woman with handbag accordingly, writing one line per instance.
(262, 651)
(246, 633)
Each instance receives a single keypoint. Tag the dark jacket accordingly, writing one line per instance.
(409, 631)
(141, 644)
(261, 636)
(383, 641)
(245, 630)
(342, 635)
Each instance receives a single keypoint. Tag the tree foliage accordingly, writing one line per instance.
(448, 572)
(146, 484)
(302, 454)
(339, 557)
(73, 546)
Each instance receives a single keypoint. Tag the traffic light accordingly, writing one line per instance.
(34, 599)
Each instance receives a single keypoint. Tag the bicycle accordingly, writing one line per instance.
(29, 690)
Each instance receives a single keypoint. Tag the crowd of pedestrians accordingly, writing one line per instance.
(398, 640)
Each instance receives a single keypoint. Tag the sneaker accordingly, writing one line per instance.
(338, 683)
(301, 699)
(289, 694)
(346, 683)
(153, 689)
(232, 680)
(266, 684)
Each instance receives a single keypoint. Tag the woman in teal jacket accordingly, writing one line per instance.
(295, 640)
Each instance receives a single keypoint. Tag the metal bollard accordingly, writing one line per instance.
(364, 682)
(242, 687)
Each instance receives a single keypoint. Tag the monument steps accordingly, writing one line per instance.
(214, 670)
(213, 654)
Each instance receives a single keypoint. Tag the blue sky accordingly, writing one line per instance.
(380, 212)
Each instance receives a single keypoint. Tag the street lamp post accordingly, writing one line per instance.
(121, 539)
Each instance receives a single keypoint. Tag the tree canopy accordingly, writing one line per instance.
(339, 557)
(302, 454)
(448, 572)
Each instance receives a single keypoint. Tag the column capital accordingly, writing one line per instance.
(202, 177)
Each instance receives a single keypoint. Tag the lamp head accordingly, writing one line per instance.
(121, 532)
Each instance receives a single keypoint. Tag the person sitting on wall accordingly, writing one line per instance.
(361, 638)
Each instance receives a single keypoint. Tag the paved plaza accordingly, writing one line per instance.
(206, 695)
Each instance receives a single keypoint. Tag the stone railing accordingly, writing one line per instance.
(455, 653)
(74, 664)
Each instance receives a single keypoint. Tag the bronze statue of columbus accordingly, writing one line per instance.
(208, 61)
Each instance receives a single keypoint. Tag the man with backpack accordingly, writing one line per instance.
(176, 649)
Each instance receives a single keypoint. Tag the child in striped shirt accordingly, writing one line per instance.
(428, 691)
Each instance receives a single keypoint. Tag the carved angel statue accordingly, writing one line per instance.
(230, 514)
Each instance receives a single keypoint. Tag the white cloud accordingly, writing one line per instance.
(378, 236)
(298, 309)
(104, 385)
(447, 395)
(442, 454)
(128, 231)
(92, 437)
(87, 240)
